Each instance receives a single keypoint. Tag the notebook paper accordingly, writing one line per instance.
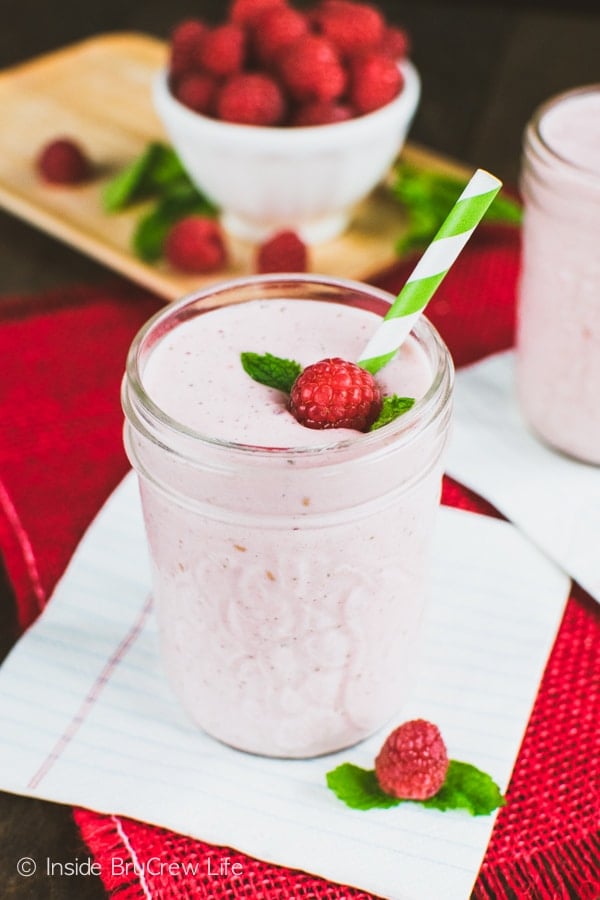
(551, 498)
(87, 719)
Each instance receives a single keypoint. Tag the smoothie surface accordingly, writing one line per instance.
(195, 375)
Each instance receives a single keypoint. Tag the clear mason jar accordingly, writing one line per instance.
(558, 335)
(288, 628)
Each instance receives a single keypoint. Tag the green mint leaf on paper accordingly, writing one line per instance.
(152, 229)
(465, 787)
(271, 370)
(358, 788)
(391, 408)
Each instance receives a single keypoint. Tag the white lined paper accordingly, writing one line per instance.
(86, 717)
(554, 500)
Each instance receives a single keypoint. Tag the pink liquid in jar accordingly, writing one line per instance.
(558, 341)
(289, 564)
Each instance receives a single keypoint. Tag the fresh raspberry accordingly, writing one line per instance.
(311, 69)
(195, 244)
(413, 761)
(334, 393)
(275, 30)
(196, 90)
(223, 49)
(62, 161)
(246, 12)
(351, 27)
(251, 99)
(322, 112)
(375, 81)
(395, 42)
(186, 40)
(284, 252)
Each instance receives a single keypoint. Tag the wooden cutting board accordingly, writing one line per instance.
(98, 92)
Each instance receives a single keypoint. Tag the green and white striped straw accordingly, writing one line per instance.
(463, 218)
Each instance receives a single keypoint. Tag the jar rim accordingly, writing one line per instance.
(138, 405)
(535, 140)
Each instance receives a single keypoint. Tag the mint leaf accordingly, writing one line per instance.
(152, 229)
(392, 407)
(155, 171)
(504, 210)
(358, 788)
(271, 370)
(166, 168)
(131, 182)
(467, 787)
(428, 197)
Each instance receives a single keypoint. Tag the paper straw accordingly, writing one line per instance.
(463, 218)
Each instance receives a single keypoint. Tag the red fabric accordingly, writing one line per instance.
(60, 457)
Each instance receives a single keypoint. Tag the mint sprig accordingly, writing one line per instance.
(428, 197)
(358, 788)
(134, 181)
(156, 174)
(465, 787)
(392, 408)
(273, 371)
(152, 229)
(278, 373)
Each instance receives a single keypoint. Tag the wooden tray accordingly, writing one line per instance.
(98, 91)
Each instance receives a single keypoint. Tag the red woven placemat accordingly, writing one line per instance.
(61, 456)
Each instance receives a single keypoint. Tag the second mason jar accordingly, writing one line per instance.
(558, 341)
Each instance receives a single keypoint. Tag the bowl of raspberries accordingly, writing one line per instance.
(287, 118)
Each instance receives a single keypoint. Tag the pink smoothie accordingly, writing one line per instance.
(559, 297)
(290, 583)
(195, 375)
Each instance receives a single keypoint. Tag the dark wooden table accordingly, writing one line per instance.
(484, 67)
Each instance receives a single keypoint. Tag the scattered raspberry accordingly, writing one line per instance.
(196, 90)
(185, 46)
(275, 30)
(247, 11)
(395, 42)
(334, 393)
(284, 252)
(375, 81)
(195, 244)
(351, 27)
(223, 49)
(62, 161)
(251, 99)
(311, 69)
(413, 761)
(322, 112)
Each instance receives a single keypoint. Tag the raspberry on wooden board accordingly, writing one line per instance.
(284, 252)
(195, 244)
(63, 161)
